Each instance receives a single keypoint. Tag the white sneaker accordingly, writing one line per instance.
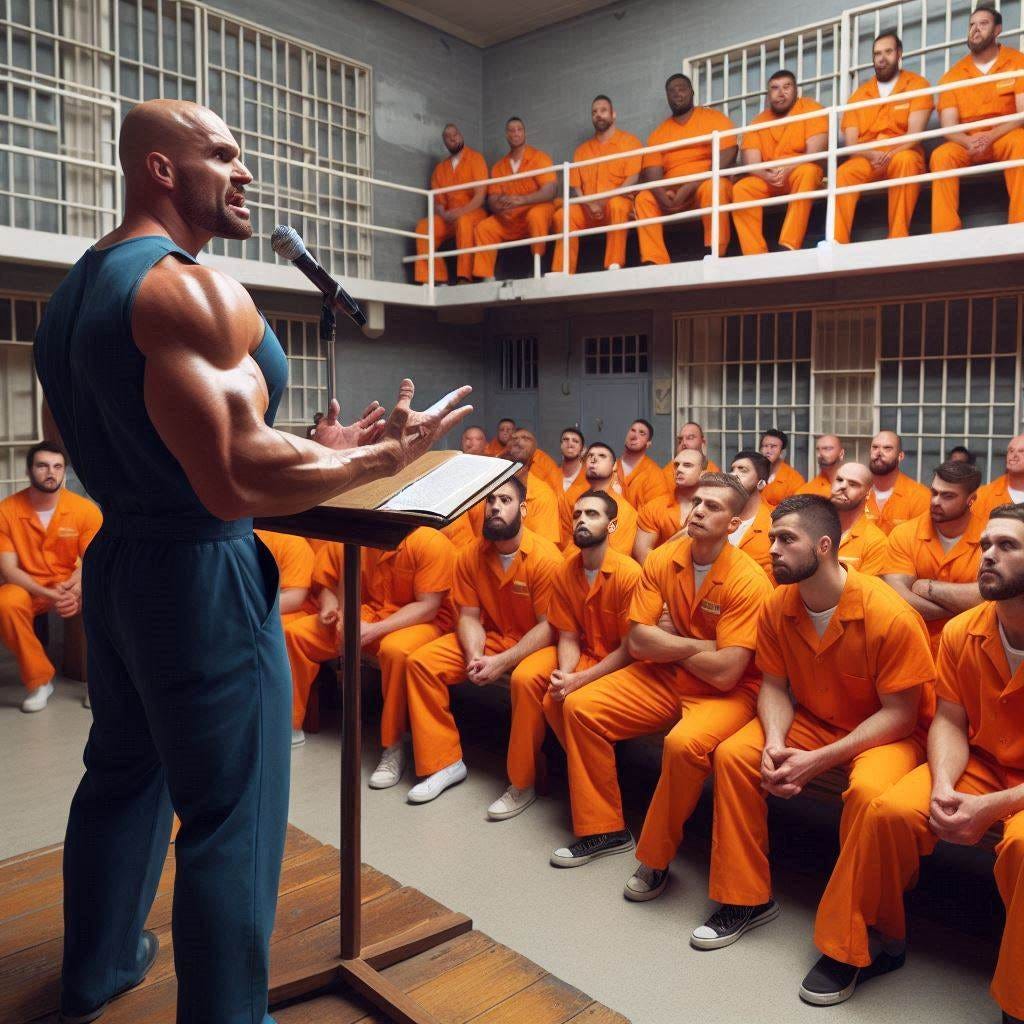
(298, 737)
(512, 802)
(37, 699)
(433, 786)
(391, 767)
(555, 273)
(614, 266)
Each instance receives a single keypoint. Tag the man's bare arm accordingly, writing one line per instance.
(207, 397)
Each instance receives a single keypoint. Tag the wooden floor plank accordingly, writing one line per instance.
(26, 872)
(419, 969)
(547, 1001)
(597, 1013)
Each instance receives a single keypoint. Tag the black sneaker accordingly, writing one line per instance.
(149, 947)
(831, 981)
(589, 848)
(1007, 1019)
(729, 922)
(646, 883)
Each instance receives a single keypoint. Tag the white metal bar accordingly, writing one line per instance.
(716, 164)
(832, 166)
(431, 245)
(566, 209)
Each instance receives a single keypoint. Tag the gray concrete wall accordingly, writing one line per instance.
(626, 51)
(422, 78)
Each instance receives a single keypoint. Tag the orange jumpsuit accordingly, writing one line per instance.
(675, 163)
(755, 541)
(991, 496)
(511, 603)
(622, 540)
(883, 858)
(599, 616)
(461, 532)
(908, 500)
(545, 467)
(820, 485)
(645, 483)
(494, 448)
(294, 558)
(863, 547)
(421, 564)
(874, 644)
(776, 144)
(471, 167)
(49, 556)
(786, 483)
(975, 104)
(541, 511)
(877, 124)
(647, 697)
(669, 469)
(523, 221)
(589, 181)
(662, 517)
(567, 500)
(914, 550)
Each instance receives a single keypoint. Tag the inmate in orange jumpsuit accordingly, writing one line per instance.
(461, 532)
(669, 469)
(875, 643)
(647, 697)
(523, 221)
(663, 517)
(545, 467)
(567, 501)
(908, 500)
(645, 483)
(541, 511)
(992, 495)
(599, 616)
(49, 556)
(421, 564)
(589, 181)
(624, 537)
(675, 163)
(511, 603)
(975, 104)
(914, 549)
(878, 124)
(820, 485)
(471, 167)
(786, 483)
(882, 859)
(294, 558)
(777, 143)
(755, 541)
(863, 547)
(494, 448)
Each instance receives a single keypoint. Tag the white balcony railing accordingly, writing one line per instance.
(723, 139)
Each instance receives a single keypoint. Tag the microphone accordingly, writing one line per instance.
(288, 244)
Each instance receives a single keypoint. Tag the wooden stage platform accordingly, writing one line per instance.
(468, 978)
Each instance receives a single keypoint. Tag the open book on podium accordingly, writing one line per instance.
(432, 491)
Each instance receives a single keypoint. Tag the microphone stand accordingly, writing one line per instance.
(328, 322)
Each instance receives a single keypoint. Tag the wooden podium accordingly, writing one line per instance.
(357, 966)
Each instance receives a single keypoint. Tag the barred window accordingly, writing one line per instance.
(307, 372)
(20, 422)
(518, 363)
(615, 354)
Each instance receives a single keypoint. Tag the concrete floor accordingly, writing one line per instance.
(633, 957)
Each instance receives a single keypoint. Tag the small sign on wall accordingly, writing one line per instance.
(663, 396)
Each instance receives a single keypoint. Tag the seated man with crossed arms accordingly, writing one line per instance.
(404, 606)
(848, 682)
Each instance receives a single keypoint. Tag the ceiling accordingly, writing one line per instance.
(488, 23)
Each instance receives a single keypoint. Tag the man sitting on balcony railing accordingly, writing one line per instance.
(961, 106)
(456, 214)
(777, 142)
(521, 208)
(585, 181)
(885, 121)
(686, 122)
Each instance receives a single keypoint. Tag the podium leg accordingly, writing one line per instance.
(351, 762)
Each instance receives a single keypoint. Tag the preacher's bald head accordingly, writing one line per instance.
(180, 156)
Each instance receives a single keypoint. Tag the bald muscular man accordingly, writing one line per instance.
(164, 380)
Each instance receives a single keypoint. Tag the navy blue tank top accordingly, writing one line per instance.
(92, 376)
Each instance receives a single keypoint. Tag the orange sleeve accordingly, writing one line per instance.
(479, 168)
(435, 562)
(905, 655)
(873, 554)
(574, 172)
(923, 102)
(648, 599)
(649, 516)
(741, 608)
(496, 172)
(6, 533)
(947, 671)
(656, 138)
(435, 179)
(546, 521)
(90, 521)
(947, 100)
(632, 164)
(629, 574)
(753, 140)
(816, 125)
(851, 119)
(544, 179)
(467, 569)
(899, 550)
(542, 579)
(722, 123)
(560, 613)
(770, 659)
(296, 563)
(327, 565)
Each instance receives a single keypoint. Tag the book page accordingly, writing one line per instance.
(373, 495)
(448, 486)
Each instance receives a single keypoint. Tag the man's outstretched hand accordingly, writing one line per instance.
(368, 429)
(412, 434)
